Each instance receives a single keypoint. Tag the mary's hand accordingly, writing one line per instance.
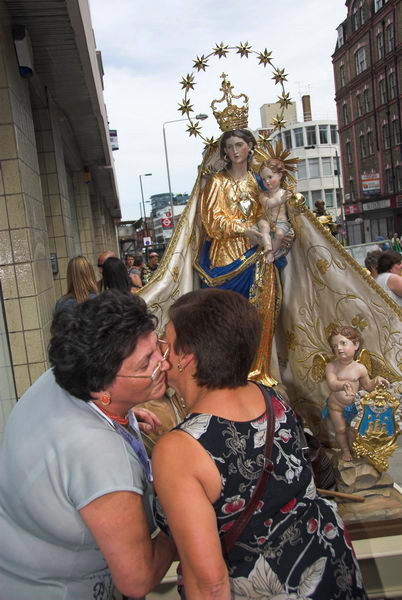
(147, 420)
(254, 236)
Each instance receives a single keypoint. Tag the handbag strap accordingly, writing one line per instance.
(229, 539)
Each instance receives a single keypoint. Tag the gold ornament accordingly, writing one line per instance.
(187, 83)
(278, 122)
(264, 58)
(185, 107)
(244, 49)
(233, 116)
(221, 50)
(279, 76)
(285, 100)
(377, 425)
(210, 142)
(194, 129)
(201, 63)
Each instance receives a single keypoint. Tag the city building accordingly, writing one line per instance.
(315, 144)
(367, 69)
(58, 193)
(161, 214)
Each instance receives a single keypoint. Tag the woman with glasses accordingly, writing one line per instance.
(76, 501)
(206, 469)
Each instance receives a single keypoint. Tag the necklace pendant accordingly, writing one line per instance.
(245, 204)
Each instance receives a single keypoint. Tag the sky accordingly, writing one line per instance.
(149, 45)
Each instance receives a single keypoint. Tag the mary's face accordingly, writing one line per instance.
(237, 150)
(142, 376)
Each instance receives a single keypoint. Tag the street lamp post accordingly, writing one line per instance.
(143, 203)
(200, 117)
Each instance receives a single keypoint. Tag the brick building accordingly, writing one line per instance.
(367, 68)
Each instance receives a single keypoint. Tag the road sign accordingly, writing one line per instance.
(147, 241)
(166, 223)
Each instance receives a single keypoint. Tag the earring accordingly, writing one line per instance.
(250, 154)
(106, 399)
(180, 367)
(225, 157)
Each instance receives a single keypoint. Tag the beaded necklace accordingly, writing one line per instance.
(121, 420)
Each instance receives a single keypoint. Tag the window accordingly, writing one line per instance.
(348, 149)
(288, 139)
(396, 132)
(380, 45)
(388, 181)
(360, 61)
(370, 146)
(323, 129)
(362, 15)
(326, 164)
(352, 189)
(329, 198)
(299, 140)
(363, 148)
(389, 37)
(366, 101)
(359, 105)
(385, 136)
(314, 167)
(378, 4)
(301, 170)
(341, 36)
(383, 91)
(342, 75)
(392, 84)
(356, 20)
(345, 114)
(316, 195)
(311, 136)
(334, 135)
(398, 173)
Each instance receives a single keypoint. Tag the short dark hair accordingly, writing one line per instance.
(90, 341)
(223, 330)
(371, 260)
(115, 275)
(387, 260)
(138, 260)
(244, 134)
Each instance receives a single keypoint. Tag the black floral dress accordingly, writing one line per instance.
(295, 545)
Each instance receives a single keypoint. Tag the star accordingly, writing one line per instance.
(221, 50)
(285, 100)
(194, 129)
(201, 63)
(278, 122)
(185, 107)
(264, 138)
(279, 75)
(187, 83)
(264, 58)
(209, 142)
(243, 49)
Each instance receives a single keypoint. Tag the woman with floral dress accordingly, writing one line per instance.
(294, 546)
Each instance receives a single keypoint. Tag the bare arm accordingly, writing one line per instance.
(395, 284)
(118, 523)
(136, 279)
(269, 202)
(369, 384)
(187, 481)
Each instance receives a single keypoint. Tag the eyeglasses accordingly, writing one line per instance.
(157, 369)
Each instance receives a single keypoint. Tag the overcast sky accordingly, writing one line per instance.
(148, 46)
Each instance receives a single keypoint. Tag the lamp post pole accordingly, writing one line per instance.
(200, 117)
(143, 203)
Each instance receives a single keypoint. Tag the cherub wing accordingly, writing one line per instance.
(320, 361)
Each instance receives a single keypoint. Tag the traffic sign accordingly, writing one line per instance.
(166, 223)
(147, 241)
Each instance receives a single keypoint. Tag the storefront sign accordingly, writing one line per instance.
(114, 142)
(376, 205)
(370, 184)
(353, 209)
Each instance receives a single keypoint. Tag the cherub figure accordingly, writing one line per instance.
(345, 377)
(275, 226)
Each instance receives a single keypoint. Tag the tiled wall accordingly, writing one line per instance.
(45, 207)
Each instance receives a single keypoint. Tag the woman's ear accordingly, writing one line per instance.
(187, 359)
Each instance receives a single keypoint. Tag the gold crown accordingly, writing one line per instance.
(233, 116)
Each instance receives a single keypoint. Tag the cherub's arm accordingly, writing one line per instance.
(274, 202)
(369, 384)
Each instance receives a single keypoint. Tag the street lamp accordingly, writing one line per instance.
(143, 203)
(200, 117)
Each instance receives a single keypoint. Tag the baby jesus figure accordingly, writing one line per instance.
(345, 377)
(274, 227)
